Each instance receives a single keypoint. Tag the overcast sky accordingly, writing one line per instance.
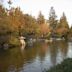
(34, 6)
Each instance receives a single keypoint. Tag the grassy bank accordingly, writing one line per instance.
(65, 66)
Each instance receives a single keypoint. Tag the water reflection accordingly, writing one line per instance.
(58, 51)
(69, 54)
(36, 58)
(53, 52)
(64, 48)
(12, 68)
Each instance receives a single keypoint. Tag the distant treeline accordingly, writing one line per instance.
(14, 22)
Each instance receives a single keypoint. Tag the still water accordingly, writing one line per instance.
(35, 57)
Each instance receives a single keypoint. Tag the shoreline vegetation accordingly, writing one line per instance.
(14, 23)
(65, 66)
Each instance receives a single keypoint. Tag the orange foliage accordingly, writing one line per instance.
(44, 28)
(61, 30)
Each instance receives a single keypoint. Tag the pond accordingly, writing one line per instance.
(35, 57)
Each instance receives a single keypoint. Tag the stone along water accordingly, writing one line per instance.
(37, 57)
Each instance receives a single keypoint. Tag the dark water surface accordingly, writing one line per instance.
(36, 57)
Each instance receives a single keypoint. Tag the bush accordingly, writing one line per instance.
(14, 41)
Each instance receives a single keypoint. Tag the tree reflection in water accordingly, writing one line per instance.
(58, 51)
(34, 58)
(53, 52)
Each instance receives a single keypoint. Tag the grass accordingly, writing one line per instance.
(65, 66)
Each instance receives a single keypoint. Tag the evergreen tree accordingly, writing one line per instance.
(63, 22)
(40, 18)
(52, 20)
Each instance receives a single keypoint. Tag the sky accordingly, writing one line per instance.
(33, 7)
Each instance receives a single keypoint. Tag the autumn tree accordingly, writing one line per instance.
(4, 26)
(63, 22)
(42, 25)
(71, 29)
(16, 20)
(30, 25)
(63, 27)
(70, 33)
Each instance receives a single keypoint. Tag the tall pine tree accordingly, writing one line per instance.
(52, 21)
(63, 22)
(40, 18)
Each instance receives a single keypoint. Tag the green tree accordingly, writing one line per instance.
(40, 18)
(52, 20)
